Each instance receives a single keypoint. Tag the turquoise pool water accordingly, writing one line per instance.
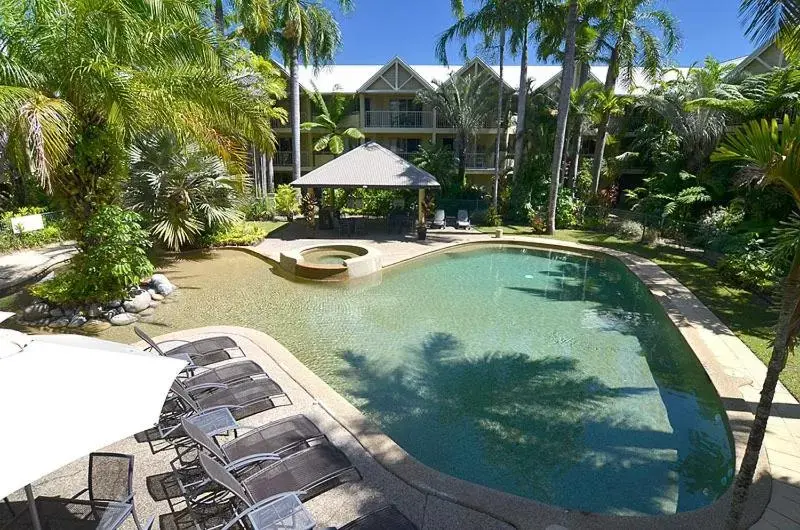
(551, 376)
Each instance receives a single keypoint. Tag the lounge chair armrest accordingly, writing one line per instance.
(257, 506)
(250, 460)
(205, 386)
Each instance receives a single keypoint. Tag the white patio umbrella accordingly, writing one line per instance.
(62, 398)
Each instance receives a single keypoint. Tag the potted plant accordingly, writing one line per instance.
(422, 231)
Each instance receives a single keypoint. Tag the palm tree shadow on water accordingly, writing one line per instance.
(502, 419)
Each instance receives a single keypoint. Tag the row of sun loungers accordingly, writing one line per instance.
(239, 483)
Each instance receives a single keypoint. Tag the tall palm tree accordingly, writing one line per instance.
(304, 32)
(329, 122)
(775, 153)
(632, 43)
(567, 80)
(464, 103)
(767, 20)
(493, 22)
(78, 84)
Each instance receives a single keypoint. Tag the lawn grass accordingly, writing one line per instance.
(751, 317)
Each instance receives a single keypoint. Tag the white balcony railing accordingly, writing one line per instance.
(488, 122)
(480, 161)
(403, 119)
(284, 158)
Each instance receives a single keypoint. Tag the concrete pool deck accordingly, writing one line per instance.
(735, 371)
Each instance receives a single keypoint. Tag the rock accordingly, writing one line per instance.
(77, 321)
(110, 314)
(113, 304)
(151, 292)
(56, 312)
(123, 319)
(154, 304)
(94, 310)
(162, 285)
(147, 312)
(36, 311)
(95, 326)
(69, 313)
(59, 323)
(157, 297)
(140, 302)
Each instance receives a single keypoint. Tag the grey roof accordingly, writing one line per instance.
(367, 166)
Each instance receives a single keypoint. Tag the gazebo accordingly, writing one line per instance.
(371, 166)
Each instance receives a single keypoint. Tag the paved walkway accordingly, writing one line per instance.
(19, 268)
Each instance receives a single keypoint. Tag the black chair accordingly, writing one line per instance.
(384, 518)
(202, 352)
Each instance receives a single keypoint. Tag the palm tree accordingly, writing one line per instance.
(775, 154)
(78, 84)
(699, 127)
(464, 103)
(632, 43)
(329, 121)
(491, 23)
(305, 32)
(181, 191)
(767, 20)
(567, 80)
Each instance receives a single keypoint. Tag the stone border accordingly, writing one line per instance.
(356, 267)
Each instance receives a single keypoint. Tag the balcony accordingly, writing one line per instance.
(489, 122)
(398, 119)
(480, 161)
(284, 159)
(276, 124)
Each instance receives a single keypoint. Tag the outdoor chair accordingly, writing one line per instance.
(226, 373)
(462, 221)
(110, 492)
(201, 352)
(247, 453)
(242, 399)
(306, 474)
(439, 220)
(383, 518)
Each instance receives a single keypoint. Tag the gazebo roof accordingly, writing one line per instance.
(368, 166)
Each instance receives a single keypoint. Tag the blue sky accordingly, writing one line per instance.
(380, 29)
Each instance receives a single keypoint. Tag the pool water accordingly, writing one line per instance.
(325, 256)
(551, 376)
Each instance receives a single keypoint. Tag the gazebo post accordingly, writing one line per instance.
(420, 207)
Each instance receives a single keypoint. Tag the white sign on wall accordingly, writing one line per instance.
(27, 223)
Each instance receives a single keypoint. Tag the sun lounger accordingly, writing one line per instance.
(227, 373)
(306, 474)
(202, 352)
(384, 518)
(462, 221)
(439, 220)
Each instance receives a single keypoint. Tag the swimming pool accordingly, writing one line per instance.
(552, 376)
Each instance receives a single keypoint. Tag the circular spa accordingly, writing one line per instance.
(549, 375)
(331, 262)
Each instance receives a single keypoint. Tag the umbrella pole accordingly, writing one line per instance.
(32, 508)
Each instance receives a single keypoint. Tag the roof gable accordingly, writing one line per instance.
(396, 76)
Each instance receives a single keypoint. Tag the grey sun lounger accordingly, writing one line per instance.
(462, 221)
(388, 517)
(244, 398)
(307, 473)
(227, 373)
(202, 352)
(439, 220)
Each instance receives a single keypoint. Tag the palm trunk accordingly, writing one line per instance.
(777, 362)
(567, 79)
(602, 127)
(577, 130)
(270, 175)
(499, 121)
(522, 102)
(263, 173)
(219, 18)
(294, 84)
(461, 149)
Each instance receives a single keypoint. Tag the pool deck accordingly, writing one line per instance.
(734, 370)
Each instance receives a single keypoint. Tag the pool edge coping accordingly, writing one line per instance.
(675, 299)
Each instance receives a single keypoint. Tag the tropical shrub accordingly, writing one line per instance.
(569, 209)
(536, 219)
(750, 264)
(718, 224)
(52, 232)
(627, 229)
(286, 201)
(113, 258)
(238, 234)
(181, 191)
(258, 209)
